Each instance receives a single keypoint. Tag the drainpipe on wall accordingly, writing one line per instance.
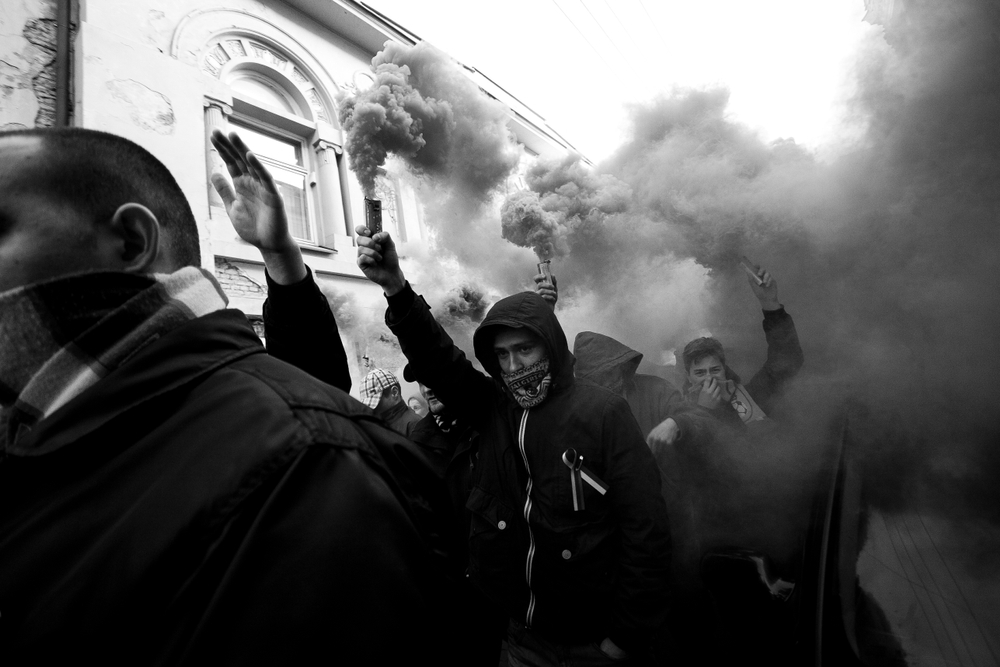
(63, 14)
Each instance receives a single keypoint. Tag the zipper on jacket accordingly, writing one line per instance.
(527, 512)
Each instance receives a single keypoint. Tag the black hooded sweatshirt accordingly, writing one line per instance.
(573, 576)
(613, 365)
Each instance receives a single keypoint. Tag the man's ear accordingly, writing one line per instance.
(138, 232)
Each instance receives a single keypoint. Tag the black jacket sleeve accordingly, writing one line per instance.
(299, 329)
(435, 359)
(784, 359)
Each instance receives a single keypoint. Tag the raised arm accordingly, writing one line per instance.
(299, 326)
(784, 354)
(432, 355)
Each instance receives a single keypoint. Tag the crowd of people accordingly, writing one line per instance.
(173, 493)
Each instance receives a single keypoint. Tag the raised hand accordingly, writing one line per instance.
(547, 290)
(379, 261)
(766, 290)
(255, 208)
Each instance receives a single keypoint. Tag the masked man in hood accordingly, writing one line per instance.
(569, 531)
(170, 494)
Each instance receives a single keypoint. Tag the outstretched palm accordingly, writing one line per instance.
(252, 201)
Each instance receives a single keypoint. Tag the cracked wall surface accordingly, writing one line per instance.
(27, 63)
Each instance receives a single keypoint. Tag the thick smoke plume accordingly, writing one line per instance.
(524, 222)
(425, 111)
(565, 201)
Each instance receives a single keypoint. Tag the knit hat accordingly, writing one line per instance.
(374, 384)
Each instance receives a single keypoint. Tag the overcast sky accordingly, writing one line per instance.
(579, 62)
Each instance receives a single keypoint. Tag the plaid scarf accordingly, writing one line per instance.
(59, 337)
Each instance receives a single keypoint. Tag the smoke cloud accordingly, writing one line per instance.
(425, 111)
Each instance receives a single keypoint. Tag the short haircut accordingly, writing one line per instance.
(97, 172)
(700, 348)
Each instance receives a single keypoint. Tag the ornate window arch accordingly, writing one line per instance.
(243, 55)
(288, 119)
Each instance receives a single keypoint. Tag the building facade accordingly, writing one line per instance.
(165, 74)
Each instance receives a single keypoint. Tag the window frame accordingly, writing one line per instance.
(247, 114)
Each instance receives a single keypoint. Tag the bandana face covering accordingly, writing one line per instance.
(529, 385)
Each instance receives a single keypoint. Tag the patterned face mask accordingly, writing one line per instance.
(530, 385)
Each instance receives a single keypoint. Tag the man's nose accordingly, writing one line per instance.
(515, 363)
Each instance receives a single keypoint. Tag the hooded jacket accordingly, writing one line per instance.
(613, 365)
(574, 576)
(206, 503)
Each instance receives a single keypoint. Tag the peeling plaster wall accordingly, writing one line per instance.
(27, 63)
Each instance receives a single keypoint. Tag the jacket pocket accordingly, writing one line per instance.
(493, 539)
(489, 514)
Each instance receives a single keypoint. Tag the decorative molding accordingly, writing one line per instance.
(323, 145)
(224, 107)
(211, 39)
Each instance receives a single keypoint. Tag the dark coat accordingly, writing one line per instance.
(299, 328)
(209, 504)
(401, 419)
(574, 576)
(452, 454)
(613, 365)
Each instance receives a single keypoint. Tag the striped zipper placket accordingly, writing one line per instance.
(527, 512)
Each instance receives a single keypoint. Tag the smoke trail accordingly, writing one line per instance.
(423, 109)
(467, 304)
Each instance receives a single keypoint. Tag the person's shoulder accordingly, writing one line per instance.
(278, 395)
(295, 386)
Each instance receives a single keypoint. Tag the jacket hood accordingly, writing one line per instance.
(604, 360)
(530, 311)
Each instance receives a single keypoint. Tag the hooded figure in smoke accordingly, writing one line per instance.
(569, 531)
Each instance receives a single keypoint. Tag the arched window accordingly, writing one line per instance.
(284, 117)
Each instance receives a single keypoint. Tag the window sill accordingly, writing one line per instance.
(311, 247)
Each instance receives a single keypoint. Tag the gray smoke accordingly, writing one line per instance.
(425, 111)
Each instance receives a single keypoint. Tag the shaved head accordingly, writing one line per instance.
(92, 174)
